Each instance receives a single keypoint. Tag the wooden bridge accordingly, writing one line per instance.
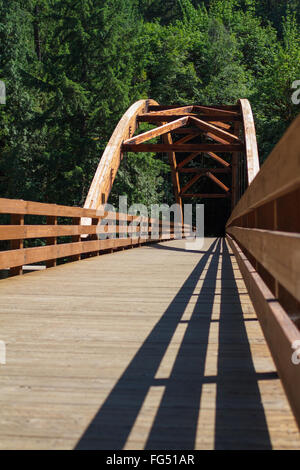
(156, 344)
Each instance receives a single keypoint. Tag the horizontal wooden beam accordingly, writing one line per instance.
(154, 148)
(280, 332)
(149, 117)
(213, 111)
(207, 196)
(277, 252)
(179, 110)
(16, 232)
(18, 206)
(204, 170)
(222, 107)
(11, 258)
(195, 130)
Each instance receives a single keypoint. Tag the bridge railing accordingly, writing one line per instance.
(264, 233)
(60, 231)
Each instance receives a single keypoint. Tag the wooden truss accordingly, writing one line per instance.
(185, 132)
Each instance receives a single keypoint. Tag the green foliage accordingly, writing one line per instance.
(274, 92)
(141, 178)
(73, 67)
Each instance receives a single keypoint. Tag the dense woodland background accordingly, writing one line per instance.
(73, 67)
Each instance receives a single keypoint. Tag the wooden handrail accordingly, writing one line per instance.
(112, 156)
(264, 234)
(72, 248)
(228, 129)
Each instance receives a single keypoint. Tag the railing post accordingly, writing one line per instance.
(234, 168)
(95, 237)
(76, 238)
(275, 227)
(51, 220)
(16, 219)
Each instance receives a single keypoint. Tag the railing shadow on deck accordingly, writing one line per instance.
(239, 416)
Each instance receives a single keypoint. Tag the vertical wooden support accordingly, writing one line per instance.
(16, 219)
(167, 138)
(95, 237)
(255, 226)
(51, 220)
(76, 238)
(234, 168)
(275, 227)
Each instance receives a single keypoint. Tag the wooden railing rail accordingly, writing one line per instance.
(123, 231)
(264, 233)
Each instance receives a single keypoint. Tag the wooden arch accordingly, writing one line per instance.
(190, 131)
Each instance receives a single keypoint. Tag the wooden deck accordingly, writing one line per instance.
(148, 348)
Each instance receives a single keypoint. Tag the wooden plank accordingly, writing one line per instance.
(188, 159)
(168, 140)
(15, 232)
(195, 130)
(213, 111)
(204, 170)
(149, 117)
(97, 358)
(190, 183)
(278, 329)
(218, 159)
(187, 138)
(206, 196)
(20, 257)
(111, 158)
(16, 258)
(17, 244)
(214, 107)
(279, 175)
(250, 140)
(174, 111)
(218, 182)
(223, 125)
(154, 148)
(53, 240)
(77, 237)
(277, 252)
(156, 132)
(17, 206)
(215, 131)
(234, 177)
(214, 137)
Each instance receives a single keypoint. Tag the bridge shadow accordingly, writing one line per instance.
(239, 415)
